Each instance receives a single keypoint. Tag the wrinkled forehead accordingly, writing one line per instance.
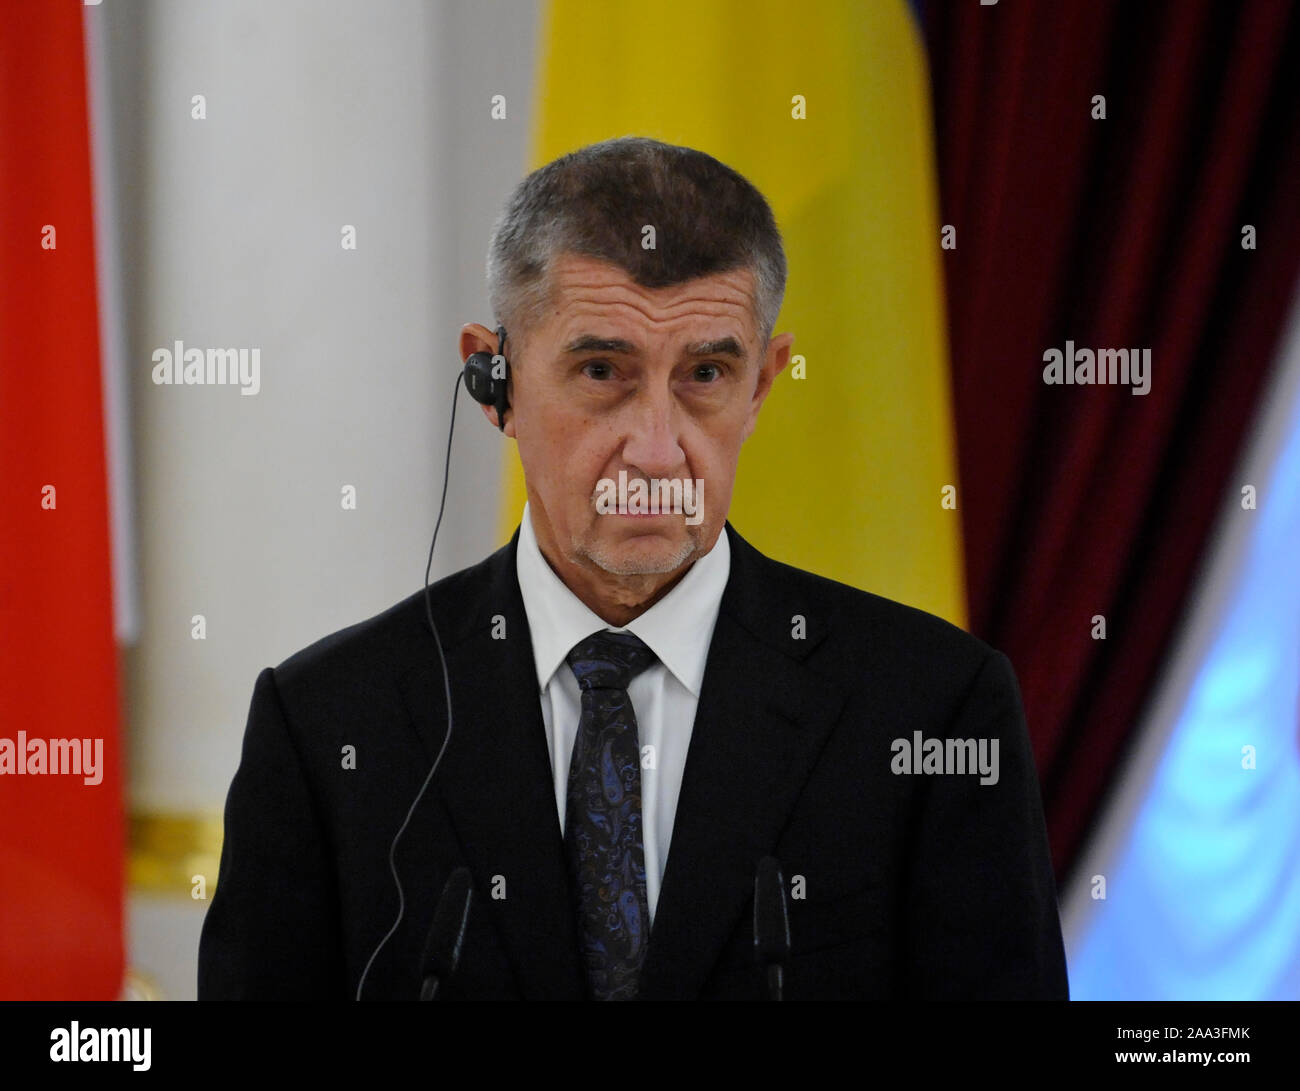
(598, 307)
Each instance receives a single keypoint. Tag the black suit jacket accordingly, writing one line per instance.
(915, 886)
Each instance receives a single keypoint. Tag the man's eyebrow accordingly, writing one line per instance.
(726, 346)
(589, 342)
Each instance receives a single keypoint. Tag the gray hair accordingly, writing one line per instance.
(594, 201)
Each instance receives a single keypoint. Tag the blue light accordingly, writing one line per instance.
(1203, 900)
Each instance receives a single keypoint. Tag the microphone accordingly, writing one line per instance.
(447, 933)
(771, 925)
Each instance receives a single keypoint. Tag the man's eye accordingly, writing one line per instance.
(707, 368)
(602, 369)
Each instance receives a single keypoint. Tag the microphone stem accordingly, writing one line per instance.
(775, 981)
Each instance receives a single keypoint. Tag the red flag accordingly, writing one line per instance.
(61, 828)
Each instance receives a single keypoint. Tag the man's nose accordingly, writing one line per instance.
(652, 444)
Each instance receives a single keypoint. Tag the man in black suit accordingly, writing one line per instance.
(644, 705)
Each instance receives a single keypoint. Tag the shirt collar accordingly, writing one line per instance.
(678, 628)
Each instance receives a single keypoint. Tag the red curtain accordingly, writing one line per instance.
(61, 838)
(1125, 232)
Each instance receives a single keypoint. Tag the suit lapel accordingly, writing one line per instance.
(761, 721)
(495, 779)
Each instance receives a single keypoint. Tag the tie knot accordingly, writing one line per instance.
(608, 660)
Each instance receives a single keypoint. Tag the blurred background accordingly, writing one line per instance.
(963, 188)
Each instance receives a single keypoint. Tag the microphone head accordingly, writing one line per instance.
(771, 919)
(447, 933)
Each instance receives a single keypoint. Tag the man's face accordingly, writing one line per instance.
(658, 383)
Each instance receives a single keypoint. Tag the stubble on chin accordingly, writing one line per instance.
(618, 563)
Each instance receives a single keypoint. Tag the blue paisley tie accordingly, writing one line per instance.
(602, 828)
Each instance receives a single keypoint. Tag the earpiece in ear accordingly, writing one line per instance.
(486, 381)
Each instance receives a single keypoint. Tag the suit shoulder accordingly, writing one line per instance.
(879, 624)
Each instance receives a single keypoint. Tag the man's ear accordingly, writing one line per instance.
(475, 337)
(774, 362)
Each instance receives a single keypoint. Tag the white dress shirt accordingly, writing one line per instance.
(678, 629)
